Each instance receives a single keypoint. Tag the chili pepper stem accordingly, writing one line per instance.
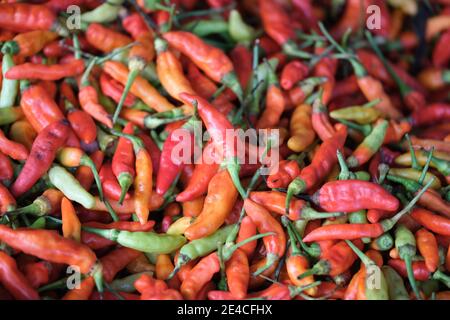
(411, 279)
(294, 291)
(442, 277)
(233, 167)
(414, 162)
(295, 187)
(388, 224)
(232, 82)
(426, 166)
(131, 77)
(270, 260)
(227, 251)
(125, 181)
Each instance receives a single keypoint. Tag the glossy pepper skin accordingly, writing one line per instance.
(42, 154)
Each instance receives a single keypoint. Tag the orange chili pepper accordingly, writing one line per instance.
(428, 248)
(12, 149)
(105, 39)
(238, 271)
(71, 226)
(83, 292)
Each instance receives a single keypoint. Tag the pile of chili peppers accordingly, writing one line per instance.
(94, 204)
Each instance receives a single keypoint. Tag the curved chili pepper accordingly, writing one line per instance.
(275, 103)
(83, 292)
(22, 17)
(117, 260)
(46, 72)
(286, 171)
(42, 154)
(14, 281)
(123, 162)
(428, 248)
(152, 289)
(140, 87)
(6, 169)
(110, 186)
(209, 59)
(431, 221)
(323, 161)
(71, 226)
(114, 90)
(238, 272)
(218, 203)
(276, 244)
(12, 149)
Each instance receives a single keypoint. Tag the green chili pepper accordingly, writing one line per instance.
(105, 13)
(405, 243)
(396, 287)
(362, 175)
(372, 142)
(205, 27)
(360, 114)
(69, 185)
(127, 284)
(375, 282)
(383, 243)
(150, 242)
(9, 87)
(359, 217)
(39, 223)
(238, 29)
(442, 277)
(105, 140)
(313, 250)
(161, 118)
(10, 114)
(429, 287)
(415, 175)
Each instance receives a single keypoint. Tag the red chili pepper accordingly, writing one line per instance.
(49, 245)
(199, 276)
(81, 293)
(46, 72)
(105, 39)
(238, 274)
(324, 160)
(6, 169)
(287, 171)
(38, 273)
(431, 221)
(276, 244)
(117, 260)
(428, 248)
(110, 186)
(42, 154)
(96, 242)
(84, 174)
(242, 61)
(420, 270)
(210, 59)
(152, 289)
(7, 201)
(432, 114)
(22, 17)
(114, 89)
(123, 162)
(14, 281)
(441, 51)
(292, 73)
(12, 149)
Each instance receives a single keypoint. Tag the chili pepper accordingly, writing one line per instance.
(397, 290)
(370, 196)
(434, 78)
(371, 87)
(320, 121)
(123, 162)
(6, 169)
(218, 204)
(301, 129)
(275, 103)
(7, 201)
(209, 59)
(200, 275)
(364, 114)
(14, 281)
(284, 173)
(104, 13)
(140, 87)
(22, 17)
(50, 246)
(348, 231)
(10, 115)
(441, 54)
(379, 292)
(413, 174)
(83, 292)
(96, 242)
(38, 273)
(143, 180)
(126, 284)
(74, 157)
(46, 72)
(432, 114)
(127, 207)
(114, 90)
(104, 39)
(117, 260)
(292, 73)
(419, 268)
(405, 244)
(238, 272)
(297, 264)
(12, 149)
(142, 241)
(30, 43)
(89, 99)
(431, 221)
(110, 186)
(84, 174)
(217, 124)
(152, 289)
(48, 203)
(41, 156)
(203, 173)
(71, 226)
(430, 199)
(334, 261)
(369, 146)
(428, 248)
(275, 245)
(323, 161)
(9, 86)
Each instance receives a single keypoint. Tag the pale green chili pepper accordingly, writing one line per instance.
(10, 88)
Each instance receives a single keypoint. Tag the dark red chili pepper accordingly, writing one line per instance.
(420, 270)
(42, 154)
